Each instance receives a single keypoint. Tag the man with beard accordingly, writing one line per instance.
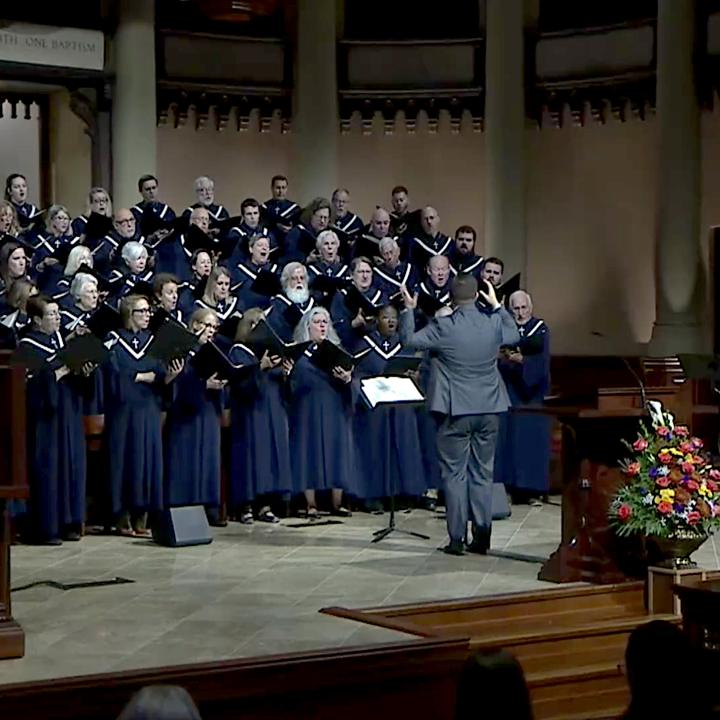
(462, 253)
(107, 252)
(287, 309)
(346, 224)
(403, 221)
(205, 198)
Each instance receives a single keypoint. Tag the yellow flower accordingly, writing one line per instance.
(704, 490)
(667, 494)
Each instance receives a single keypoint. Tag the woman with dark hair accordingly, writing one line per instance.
(260, 457)
(322, 446)
(302, 239)
(492, 687)
(133, 419)
(16, 192)
(201, 266)
(56, 438)
(192, 429)
(165, 295)
(13, 266)
(17, 320)
(160, 702)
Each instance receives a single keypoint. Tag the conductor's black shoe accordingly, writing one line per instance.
(454, 547)
(479, 548)
(72, 536)
(428, 503)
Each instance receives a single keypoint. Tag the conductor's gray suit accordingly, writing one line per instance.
(466, 393)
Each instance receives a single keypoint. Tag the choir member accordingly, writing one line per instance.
(302, 239)
(281, 212)
(55, 433)
(436, 284)
(321, 407)
(16, 192)
(51, 245)
(99, 203)
(523, 452)
(13, 265)
(328, 265)
(240, 235)
(205, 198)
(295, 300)
(182, 262)
(492, 271)
(246, 271)
(192, 429)
(353, 323)
(17, 320)
(428, 240)
(201, 266)
(346, 223)
(217, 295)
(403, 221)
(108, 251)
(148, 188)
(165, 295)
(133, 419)
(462, 254)
(393, 273)
(388, 438)
(260, 466)
(9, 226)
(78, 256)
(368, 243)
(133, 270)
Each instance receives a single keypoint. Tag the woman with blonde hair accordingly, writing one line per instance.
(9, 226)
(216, 295)
(98, 202)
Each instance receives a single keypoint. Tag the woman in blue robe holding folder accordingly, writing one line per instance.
(133, 422)
(522, 457)
(55, 436)
(322, 446)
(192, 429)
(387, 437)
(260, 457)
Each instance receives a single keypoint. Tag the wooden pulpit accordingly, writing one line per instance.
(13, 486)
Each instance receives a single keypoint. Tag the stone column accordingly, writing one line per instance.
(678, 214)
(315, 123)
(134, 105)
(505, 134)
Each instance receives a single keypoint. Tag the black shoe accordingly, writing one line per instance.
(72, 536)
(217, 523)
(428, 503)
(478, 548)
(454, 547)
(51, 541)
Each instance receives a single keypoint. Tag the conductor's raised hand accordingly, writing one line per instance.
(410, 301)
(489, 297)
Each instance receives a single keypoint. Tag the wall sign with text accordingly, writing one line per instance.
(55, 46)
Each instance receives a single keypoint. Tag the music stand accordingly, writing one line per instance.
(391, 392)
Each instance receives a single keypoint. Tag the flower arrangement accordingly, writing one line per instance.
(672, 487)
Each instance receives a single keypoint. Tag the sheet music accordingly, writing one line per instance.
(388, 390)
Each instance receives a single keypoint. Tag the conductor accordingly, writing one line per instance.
(466, 394)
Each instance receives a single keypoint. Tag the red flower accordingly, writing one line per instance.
(682, 431)
(640, 444)
(693, 517)
(633, 469)
(664, 507)
(663, 431)
(697, 442)
(663, 481)
(692, 485)
(687, 468)
(624, 512)
(665, 458)
(715, 474)
(687, 447)
(712, 487)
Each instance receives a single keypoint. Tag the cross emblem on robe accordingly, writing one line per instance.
(53, 342)
(135, 343)
(386, 346)
(521, 330)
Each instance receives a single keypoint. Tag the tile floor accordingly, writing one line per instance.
(253, 591)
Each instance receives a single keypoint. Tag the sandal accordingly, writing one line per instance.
(341, 512)
(312, 513)
(246, 518)
(268, 516)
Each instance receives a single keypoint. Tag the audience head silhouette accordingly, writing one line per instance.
(160, 702)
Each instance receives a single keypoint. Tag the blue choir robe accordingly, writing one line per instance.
(186, 295)
(55, 442)
(342, 317)
(339, 269)
(216, 212)
(224, 309)
(522, 456)
(390, 280)
(349, 225)
(277, 317)
(441, 294)
(405, 225)
(26, 213)
(60, 289)
(260, 454)
(299, 243)
(46, 246)
(133, 424)
(170, 257)
(388, 438)
(243, 275)
(160, 209)
(280, 212)
(366, 239)
(71, 318)
(192, 442)
(122, 284)
(322, 444)
(78, 225)
(239, 239)
(422, 247)
(13, 327)
(107, 251)
(471, 264)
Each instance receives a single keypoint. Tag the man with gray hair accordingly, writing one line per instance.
(288, 307)
(204, 188)
(467, 396)
(393, 273)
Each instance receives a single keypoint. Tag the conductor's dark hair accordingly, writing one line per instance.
(9, 181)
(495, 261)
(275, 178)
(492, 685)
(464, 288)
(143, 179)
(466, 229)
(161, 280)
(248, 202)
(399, 189)
(37, 304)
(160, 702)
